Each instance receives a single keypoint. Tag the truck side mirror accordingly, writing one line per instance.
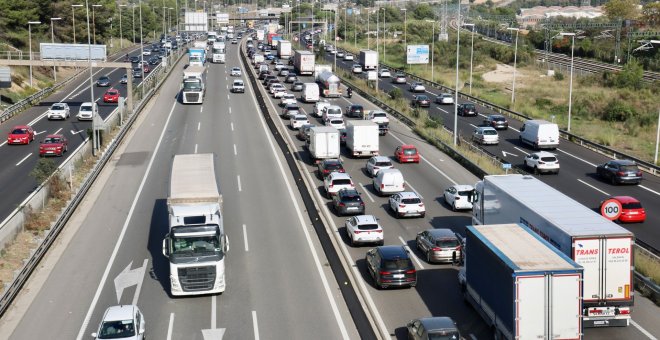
(166, 246)
(225, 244)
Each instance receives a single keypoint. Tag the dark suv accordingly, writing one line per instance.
(497, 122)
(348, 202)
(467, 109)
(326, 166)
(391, 266)
(620, 171)
(355, 111)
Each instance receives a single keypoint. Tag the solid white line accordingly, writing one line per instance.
(474, 126)
(235, 152)
(367, 193)
(199, 126)
(3, 143)
(245, 238)
(443, 110)
(578, 158)
(632, 322)
(170, 326)
(427, 162)
(195, 148)
(649, 189)
(214, 301)
(593, 187)
(138, 289)
(34, 121)
(413, 189)
(255, 325)
(201, 109)
(238, 177)
(23, 160)
(419, 263)
(521, 150)
(58, 131)
(232, 126)
(104, 278)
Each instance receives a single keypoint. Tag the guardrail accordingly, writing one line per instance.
(17, 218)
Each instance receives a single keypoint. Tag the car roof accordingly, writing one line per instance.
(116, 313)
(362, 219)
(437, 323)
(626, 199)
(462, 187)
(407, 146)
(301, 116)
(382, 159)
(392, 252)
(408, 194)
(442, 232)
(54, 136)
(20, 127)
(483, 128)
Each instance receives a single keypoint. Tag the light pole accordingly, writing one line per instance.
(570, 87)
(458, 39)
(471, 52)
(133, 10)
(73, 15)
(384, 36)
(121, 34)
(657, 140)
(405, 36)
(164, 16)
(354, 28)
(169, 19)
(91, 80)
(94, 20)
(52, 40)
(432, 48)
(30, 23)
(515, 61)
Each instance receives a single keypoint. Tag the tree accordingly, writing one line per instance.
(651, 14)
(621, 9)
(423, 11)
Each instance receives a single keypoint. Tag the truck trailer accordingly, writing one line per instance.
(330, 84)
(196, 56)
(196, 244)
(193, 87)
(218, 52)
(362, 138)
(323, 142)
(603, 248)
(368, 60)
(303, 62)
(522, 286)
(284, 49)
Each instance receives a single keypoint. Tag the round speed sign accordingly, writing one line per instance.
(611, 209)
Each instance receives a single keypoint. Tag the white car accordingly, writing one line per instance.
(146, 52)
(349, 57)
(379, 117)
(333, 51)
(276, 87)
(542, 162)
(87, 111)
(417, 87)
(238, 86)
(332, 112)
(279, 66)
(459, 196)
(235, 72)
(337, 123)
(58, 111)
(407, 203)
(287, 98)
(279, 92)
(357, 68)
(320, 107)
(485, 135)
(336, 181)
(444, 98)
(376, 163)
(384, 73)
(340, 54)
(298, 121)
(122, 322)
(364, 229)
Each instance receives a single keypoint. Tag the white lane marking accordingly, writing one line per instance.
(521, 150)
(230, 110)
(245, 240)
(227, 97)
(642, 330)
(238, 177)
(578, 158)
(413, 189)
(474, 126)
(367, 192)
(3, 143)
(419, 263)
(38, 133)
(593, 187)
(199, 125)
(235, 152)
(255, 325)
(104, 278)
(443, 110)
(201, 109)
(41, 116)
(170, 326)
(23, 160)
(195, 148)
(427, 162)
(58, 131)
(97, 99)
(214, 301)
(138, 289)
(232, 126)
(649, 189)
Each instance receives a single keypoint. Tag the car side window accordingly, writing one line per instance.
(420, 331)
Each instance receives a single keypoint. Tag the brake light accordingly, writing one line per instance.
(331, 185)
(357, 232)
(402, 205)
(382, 272)
(436, 249)
(341, 204)
(378, 231)
(620, 173)
(382, 186)
(412, 271)
(362, 204)
(421, 204)
(326, 171)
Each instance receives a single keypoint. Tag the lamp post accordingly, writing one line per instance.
(458, 39)
(432, 48)
(384, 36)
(657, 140)
(471, 53)
(91, 75)
(30, 23)
(133, 10)
(94, 20)
(515, 60)
(169, 19)
(405, 35)
(570, 87)
(121, 34)
(52, 40)
(164, 32)
(73, 15)
(354, 28)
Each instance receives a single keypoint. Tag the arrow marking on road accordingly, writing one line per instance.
(38, 133)
(504, 153)
(213, 334)
(129, 277)
(76, 132)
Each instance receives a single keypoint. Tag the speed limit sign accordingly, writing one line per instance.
(611, 209)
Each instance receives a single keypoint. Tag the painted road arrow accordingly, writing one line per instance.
(213, 334)
(76, 132)
(504, 153)
(128, 278)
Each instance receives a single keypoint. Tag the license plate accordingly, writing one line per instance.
(49, 151)
(351, 208)
(398, 276)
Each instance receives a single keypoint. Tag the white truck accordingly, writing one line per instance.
(218, 52)
(196, 244)
(284, 49)
(303, 62)
(520, 284)
(323, 142)
(362, 138)
(603, 248)
(261, 34)
(368, 60)
(330, 84)
(320, 68)
(193, 87)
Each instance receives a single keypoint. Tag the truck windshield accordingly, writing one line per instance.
(196, 244)
(218, 50)
(192, 85)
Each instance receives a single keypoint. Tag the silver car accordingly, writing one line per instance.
(376, 163)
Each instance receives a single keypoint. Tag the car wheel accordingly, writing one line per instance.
(613, 180)
(352, 240)
(453, 206)
(536, 170)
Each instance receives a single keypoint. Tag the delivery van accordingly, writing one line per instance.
(388, 181)
(310, 93)
(540, 134)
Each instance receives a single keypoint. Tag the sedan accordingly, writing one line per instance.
(356, 68)
(376, 163)
(399, 78)
(542, 162)
(364, 229)
(620, 171)
(235, 72)
(421, 100)
(439, 245)
(328, 166)
(122, 322)
(485, 135)
(111, 96)
(417, 87)
(348, 202)
(407, 203)
(58, 111)
(104, 81)
(497, 122)
(444, 98)
(298, 121)
(631, 209)
(349, 57)
(459, 196)
(53, 145)
(21, 134)
(407, 154)
(297, 86)
(384, 73)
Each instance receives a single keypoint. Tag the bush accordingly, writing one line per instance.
(44, 168)
(542, 102)
(617, 111)
(396, 93)
(559, 76)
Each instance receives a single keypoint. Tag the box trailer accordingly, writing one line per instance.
(323, 142)
(303, 62)
(194, 85)
(522, 286)
(362, 138)
(603, 248)
(284, 49)
(368, 60)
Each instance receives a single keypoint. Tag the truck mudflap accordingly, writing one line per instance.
(606, 317)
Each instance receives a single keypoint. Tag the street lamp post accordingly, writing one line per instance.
(73, 15)
(570, 87)
(432, 50)
(515, 61)
(30, 23)
(384, 36)
(458, 39)
(133, 20)
(121, 34)
(164, 16)
(471, 53)
(354, 28)
(405, 36)
(94, 20)
(95, 143)
(52, 40)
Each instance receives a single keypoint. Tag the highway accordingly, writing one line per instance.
(278, 283)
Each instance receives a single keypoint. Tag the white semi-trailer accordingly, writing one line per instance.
(362, 138)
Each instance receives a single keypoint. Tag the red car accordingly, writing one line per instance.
(407, 154)
(21, 134)
(53, 145)
(111, 96)
(146, 68)
(631, 210)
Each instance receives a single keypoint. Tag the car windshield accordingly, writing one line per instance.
(410, 151)
(422, 98)
(57, 107)
(238, 82)
(104, 79)
(300, 118)
(443, 335)
(465, 193)
(498, 118)
(117, 329)
(292, 108)
(414, 200)
(490, 132)
(19, 132)
(85, 108)
(52, 140)
(469, 106)
(351, 197)
(447, 243)
(384, 163)
(333, 111)
(398, 264)
(356, 108)
(379, 114)
(632, 205)
(336, 121)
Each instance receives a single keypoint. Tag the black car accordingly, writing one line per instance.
(390, 266)
(291, 78)
(348, 202)
(439, 327)
(421, 100)
(297, 86)
(268, 78)
(620, 171)
(328, 166)
(135, 59)
(263, 74)
(355, 111)
(154, 60)
(497, 122)
(467, 109)
(103, 81)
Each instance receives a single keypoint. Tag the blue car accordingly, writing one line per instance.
(270, 57)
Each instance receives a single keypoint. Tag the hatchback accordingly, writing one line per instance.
(332, 112)
(399, 78)
(364, 229)
(58, 111)
(290, 110)
(390, 266)
(53, 145)
(407, 203)
(421, 100)
(433, 328)
(124, 79)
(291, 78)
(111, 96)
(384, 73)
(376, 163)
(542, 162)
(303, 132)
(348, 202)
(121, 322)
(485, 135)
(336, 181)
(439, 245)
(286, 99)
(21, 134)
(620, 171)
(297, 121)
(406, 154)
(235, 72)
(349, 57)
(355, 111)
(497, 122)
(459, 196)
(297, 86)
(467, 109)
(417, 87)
(103, 81)
(328, 166)
(356, 68)
(444, 98)
(284, 72)
(631, 210)
(337, 123)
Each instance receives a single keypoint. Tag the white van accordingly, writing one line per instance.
(388, 181)
(540, 134)
(310, 93)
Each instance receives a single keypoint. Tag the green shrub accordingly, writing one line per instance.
(617, 111)
(396, 93)
(44, 168)
(559, 76)
(542, 102)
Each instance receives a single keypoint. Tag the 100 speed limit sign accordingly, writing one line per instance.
(611, 209)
